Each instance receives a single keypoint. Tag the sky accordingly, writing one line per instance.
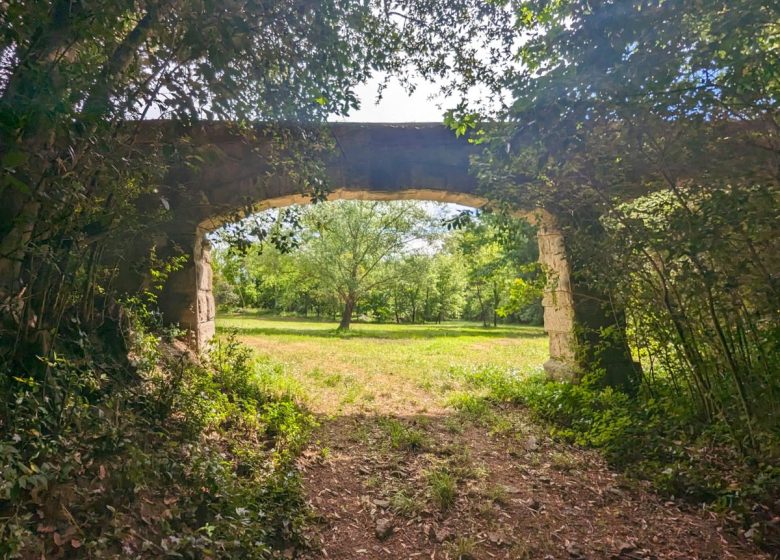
(396, 104)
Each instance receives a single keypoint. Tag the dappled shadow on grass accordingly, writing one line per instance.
(415, 471)
(438, 480)
(391, 332)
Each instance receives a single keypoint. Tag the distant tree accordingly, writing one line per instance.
(347, 243)
(486, 270)
(499, 255)
(410, 281)
(488, 275)
(447, 298)
(233, 271)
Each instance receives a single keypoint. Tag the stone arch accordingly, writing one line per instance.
(372, 162)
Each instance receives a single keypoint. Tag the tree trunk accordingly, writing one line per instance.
(13, 248)
(495, 304)
(482, 310)
(346, 316)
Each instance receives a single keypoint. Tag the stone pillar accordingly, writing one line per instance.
(601, 343)
(178, 300)
(187, 299)
(205, 305)
(558, 300)
(577, 320)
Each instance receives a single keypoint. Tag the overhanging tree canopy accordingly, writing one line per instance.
(650, 128)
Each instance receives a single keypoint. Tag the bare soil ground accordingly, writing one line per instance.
(515, 497)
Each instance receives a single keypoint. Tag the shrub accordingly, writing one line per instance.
(405, 438)
(655, 436)
(197, 458)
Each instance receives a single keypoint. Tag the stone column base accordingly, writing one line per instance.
(558, 370)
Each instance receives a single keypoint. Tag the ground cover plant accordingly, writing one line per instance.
(167, 456)
(651, 438)
(353, 366)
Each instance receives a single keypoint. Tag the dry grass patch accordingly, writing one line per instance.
(387, 369)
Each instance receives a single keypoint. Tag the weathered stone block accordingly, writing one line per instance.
(562, 345)
(204, 275)
(558, 319)
(205, 307)
(206, 332)
(558, 370)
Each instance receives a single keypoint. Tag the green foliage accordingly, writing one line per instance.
(649, 129)
(481, 270)
(348, 243)
(462, 548)
(524, 295)
(598, 418)
(503, 384)
(403, 437)
(288, 425)
(627, 132)
(404, 503)
(653, 437)
(442, 488)
(469, 404)
(96, 450)
(504, 279)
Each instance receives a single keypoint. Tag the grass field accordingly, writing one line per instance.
(385, 368)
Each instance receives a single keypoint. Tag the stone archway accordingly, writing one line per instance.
(373, 162)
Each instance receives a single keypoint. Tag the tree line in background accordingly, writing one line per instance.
(387, 261)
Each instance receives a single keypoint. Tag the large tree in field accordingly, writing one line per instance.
(348, 245)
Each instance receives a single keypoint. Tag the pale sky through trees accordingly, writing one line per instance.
(397, 105)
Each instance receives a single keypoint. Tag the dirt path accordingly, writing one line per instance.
(410, 462)
(448, 485)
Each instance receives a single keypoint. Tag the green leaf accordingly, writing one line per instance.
(11, 181)
(14, 159)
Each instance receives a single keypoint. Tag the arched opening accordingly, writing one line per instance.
(371, 162)
(189, 301)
